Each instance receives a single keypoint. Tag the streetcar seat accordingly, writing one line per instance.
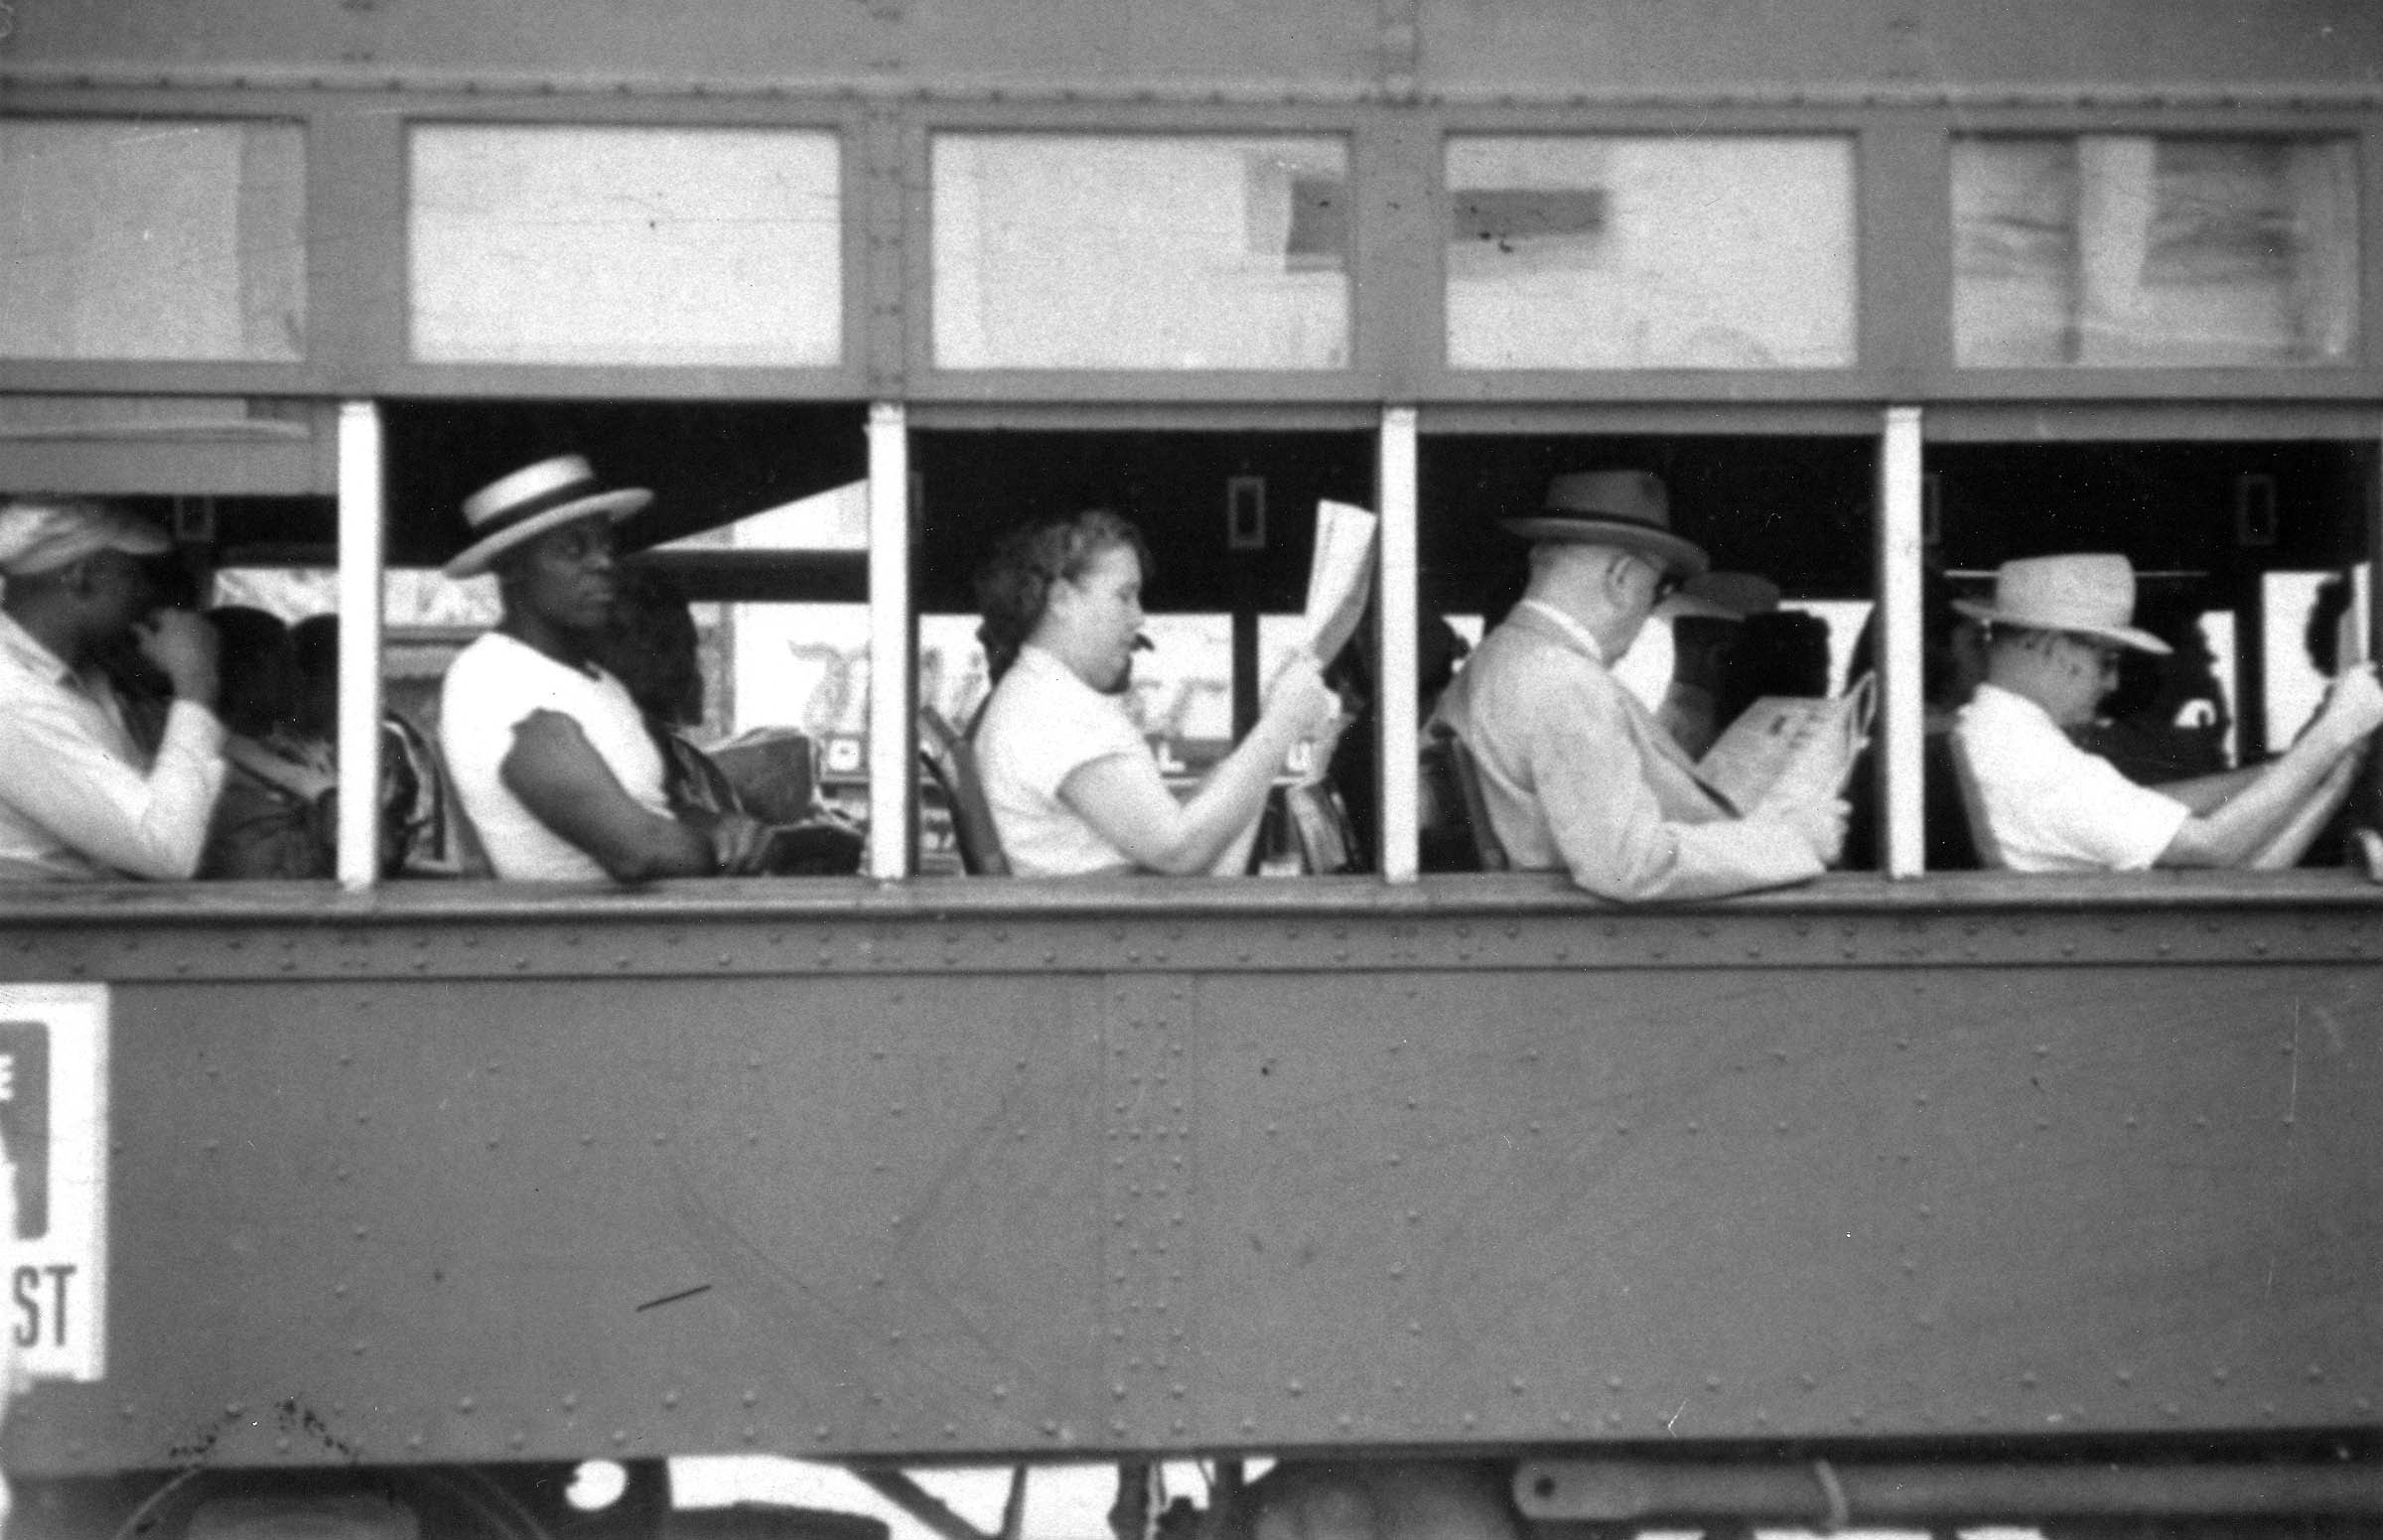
(1973, 806)
(950, 759)
(433, 834)
(1457, 833)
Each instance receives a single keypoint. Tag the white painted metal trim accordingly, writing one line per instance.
(1398, 711)
(362, 507)
(891, 669)
(1902, 551)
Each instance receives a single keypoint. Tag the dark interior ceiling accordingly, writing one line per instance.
(1798, 510)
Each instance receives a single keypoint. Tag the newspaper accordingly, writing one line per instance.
(1792, 748)
(1340, 578)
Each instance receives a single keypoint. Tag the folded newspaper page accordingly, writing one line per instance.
(1340, 578)
(1791, 749)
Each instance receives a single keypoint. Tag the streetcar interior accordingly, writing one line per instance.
(2236, 540)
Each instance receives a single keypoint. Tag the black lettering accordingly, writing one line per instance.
(59, 1272)
(28, 1282)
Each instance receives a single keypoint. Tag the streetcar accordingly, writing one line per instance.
(1912, 1197)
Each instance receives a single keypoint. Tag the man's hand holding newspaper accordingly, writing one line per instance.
(1788, 758)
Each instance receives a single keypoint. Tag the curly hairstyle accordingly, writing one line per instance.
(1014, 588)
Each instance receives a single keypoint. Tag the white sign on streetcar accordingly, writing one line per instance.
(53, 1178)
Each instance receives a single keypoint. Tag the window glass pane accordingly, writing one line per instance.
(1144, 253)
(152, 239)
(626, 245)
(1611, 252)
(2133, 250)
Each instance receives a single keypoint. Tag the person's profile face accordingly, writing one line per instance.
(565, 576)
(1639, 584)
(119, 590)
(2091, 673)
(1104, 611)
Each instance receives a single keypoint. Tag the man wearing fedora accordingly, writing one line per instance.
(2039, 804)
(1575, 772)
(81, 798)
(548, 753)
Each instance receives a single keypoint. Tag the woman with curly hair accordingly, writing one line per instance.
(1073, 788)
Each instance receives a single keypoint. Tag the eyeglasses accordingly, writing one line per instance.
(1667, 581)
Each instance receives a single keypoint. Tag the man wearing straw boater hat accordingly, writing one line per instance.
(2039, 803)
(1575, 772)
(549, 754)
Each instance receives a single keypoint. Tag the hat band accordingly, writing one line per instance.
(577, 489)
(2068, 621)
(1603, 517)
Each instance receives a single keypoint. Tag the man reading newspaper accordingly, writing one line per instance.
(1575, 772)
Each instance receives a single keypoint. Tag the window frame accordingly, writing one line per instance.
(1397, 382)
(931, 384)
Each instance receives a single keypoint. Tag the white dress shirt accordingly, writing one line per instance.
(78, 800)
(2047, 806)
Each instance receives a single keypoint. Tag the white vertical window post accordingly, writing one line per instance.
(1901, 546)
(1394, 690)
(890, 775)
(361, 505)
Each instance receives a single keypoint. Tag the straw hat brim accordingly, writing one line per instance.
(615, 505)
(2123, 635)
(1677, 555)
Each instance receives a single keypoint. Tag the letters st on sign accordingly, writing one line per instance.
(53, 1185)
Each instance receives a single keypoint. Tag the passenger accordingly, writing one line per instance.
(2322, 636)
(82, 799)
(1575, 772)
(550, 755)
(2042, 805)
(423, 832)
(277, 816)
(1782, 654)
(654, 649)
(1707, 615)
(1350, 768)
(2165, 719)
(1073, 788)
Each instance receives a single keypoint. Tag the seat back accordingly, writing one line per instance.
(433, 835)
(1459, 838)
(951, 759)
(1973, 805)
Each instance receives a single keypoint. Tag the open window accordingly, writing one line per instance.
(1229, 518)
(1795, 510)
(2249, 557)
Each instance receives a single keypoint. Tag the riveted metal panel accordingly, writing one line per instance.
(1762, 1204)
(941, 1171)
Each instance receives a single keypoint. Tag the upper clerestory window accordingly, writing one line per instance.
(656, 246)
(152, 239)
(2147, 251)
(1659, 252)
(1141, 252)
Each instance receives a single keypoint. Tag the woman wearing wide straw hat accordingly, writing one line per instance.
(2039, 804)
(549, 754)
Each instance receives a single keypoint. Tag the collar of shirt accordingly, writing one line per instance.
(2016, 710)
(1567, 624)
(17, 643)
